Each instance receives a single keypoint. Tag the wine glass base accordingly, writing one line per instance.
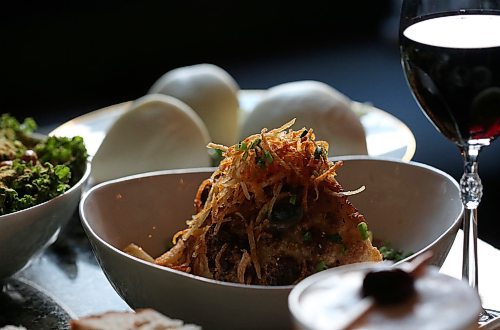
(487, 317)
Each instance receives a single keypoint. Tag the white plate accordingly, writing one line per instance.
(386, 136)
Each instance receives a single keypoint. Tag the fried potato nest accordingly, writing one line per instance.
(272, 213)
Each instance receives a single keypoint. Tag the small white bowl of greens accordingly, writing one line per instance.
(41, 181)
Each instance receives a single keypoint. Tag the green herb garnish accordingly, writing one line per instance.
(242, 146)
(307, 237)
(363, 231)
(255, 143)
(390, 253)
(337, 239)
(266, 158)
(217, 156)
(321, 265)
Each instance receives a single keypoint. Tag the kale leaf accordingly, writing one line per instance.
(34, 170)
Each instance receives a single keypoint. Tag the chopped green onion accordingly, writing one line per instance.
(363, 230)
(390, 253)
(293, 199)
(307, 236)
(268, 157)
(254, 143)
(335, 238)
(242, 146)
(321, 265)
(217, 156)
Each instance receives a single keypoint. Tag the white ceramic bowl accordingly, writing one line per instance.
(331, 300)
(24, 234)
(411, 205)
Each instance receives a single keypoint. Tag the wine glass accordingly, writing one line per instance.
(450, 53)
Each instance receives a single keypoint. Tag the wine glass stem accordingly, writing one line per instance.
(469, 267)
(471, 193)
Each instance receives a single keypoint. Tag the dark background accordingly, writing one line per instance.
(61, 60)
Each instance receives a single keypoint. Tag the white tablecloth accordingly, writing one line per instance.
(488, 269)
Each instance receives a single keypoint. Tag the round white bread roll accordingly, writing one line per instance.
(157, 132)
(315, 105)
(211, 92)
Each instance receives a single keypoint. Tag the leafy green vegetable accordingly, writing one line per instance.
(68, 151)
(33, 171)
(9, 125)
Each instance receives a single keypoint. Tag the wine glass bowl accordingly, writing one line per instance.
(450, 53)
(454, 75)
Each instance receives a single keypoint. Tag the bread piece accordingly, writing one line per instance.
(141, 319)
(158, 132)
(211, 92)
(313, 104)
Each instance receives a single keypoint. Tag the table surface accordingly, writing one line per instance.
(68, 273)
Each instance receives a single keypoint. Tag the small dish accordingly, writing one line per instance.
(25, 234)
(332, 300)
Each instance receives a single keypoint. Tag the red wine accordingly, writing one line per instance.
(452, 64)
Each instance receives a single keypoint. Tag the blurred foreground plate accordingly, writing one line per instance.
(386, 136)
(24, 303)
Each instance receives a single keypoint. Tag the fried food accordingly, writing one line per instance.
(140, 319)
(272, 213)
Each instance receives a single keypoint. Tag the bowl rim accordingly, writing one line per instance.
(79, 184)
(93, 235)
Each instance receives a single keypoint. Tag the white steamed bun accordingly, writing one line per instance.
(315, 105)
(211, 92)
(157, 132)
